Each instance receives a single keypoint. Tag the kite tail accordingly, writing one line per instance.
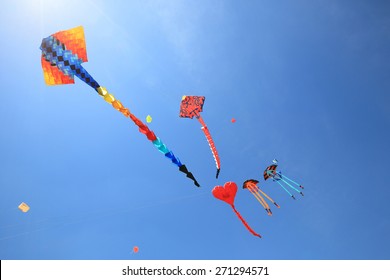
(295, 189)
(144, 129)
(184, 169)
(284, 176)
(244, 222)
(211, 144)
(270, 199)
(260, 199)
(285, 189)
(267, 208)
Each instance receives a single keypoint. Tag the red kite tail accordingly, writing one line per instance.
(211, 144)
(245, 223)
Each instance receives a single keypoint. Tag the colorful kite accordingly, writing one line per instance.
(24, 207)
(227, 193)
(270, 172)
(62, 55)
(190, 107)
(148, 119)
(251, 185)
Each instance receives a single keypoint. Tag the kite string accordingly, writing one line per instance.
(244, 222)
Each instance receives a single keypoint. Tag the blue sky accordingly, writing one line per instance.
(308, 83)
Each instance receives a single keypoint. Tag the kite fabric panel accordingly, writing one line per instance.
(192, 106)
(62, 55)
(269, 171)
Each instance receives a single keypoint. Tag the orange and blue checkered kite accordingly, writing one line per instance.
(62, 56)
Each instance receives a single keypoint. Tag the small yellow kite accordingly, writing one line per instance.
(24, 207)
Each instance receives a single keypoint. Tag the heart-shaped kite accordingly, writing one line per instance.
(227, 193)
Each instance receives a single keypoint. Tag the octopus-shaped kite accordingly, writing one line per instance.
(62, 55)
(251, 185)
(270, 172)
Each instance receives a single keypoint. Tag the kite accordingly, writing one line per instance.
(62, 55)
(256, 191)
(233, 120)
(135, 249)
(270, 172)
(227, 193)
(148, 119)
(24, 207)
(190, 107)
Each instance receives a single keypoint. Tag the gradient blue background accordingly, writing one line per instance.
(307, 81)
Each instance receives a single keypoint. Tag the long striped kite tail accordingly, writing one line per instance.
(211, 143)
